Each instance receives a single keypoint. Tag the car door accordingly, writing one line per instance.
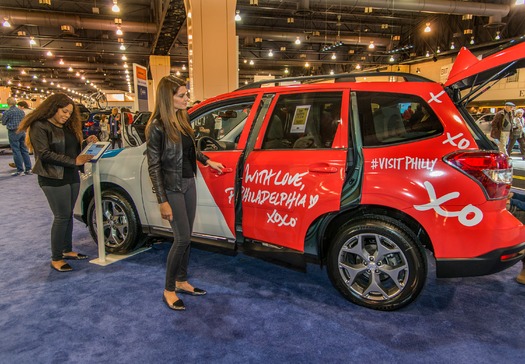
(224, 143)
(295, 172)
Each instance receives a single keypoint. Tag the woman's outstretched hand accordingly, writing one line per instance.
(215, 165)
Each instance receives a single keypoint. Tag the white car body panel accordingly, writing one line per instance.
(209, 219)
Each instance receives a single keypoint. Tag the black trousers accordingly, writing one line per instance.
(61, 201)
(183, 205)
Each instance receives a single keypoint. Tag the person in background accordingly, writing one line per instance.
(408, 113)
(172, 159)
(12, 118)
(127, 114)
(517, 133)
(115, 135)
(501, 126)
(55, 135)
(104, 128)
(24, 106)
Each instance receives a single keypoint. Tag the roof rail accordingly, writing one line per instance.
(341, 77)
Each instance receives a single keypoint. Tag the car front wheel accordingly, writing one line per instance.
(376, 262)
(120, 223)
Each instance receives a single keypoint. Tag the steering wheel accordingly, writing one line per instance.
(208, 143)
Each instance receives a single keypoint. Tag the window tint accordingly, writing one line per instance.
(387, 118)
(304, 121)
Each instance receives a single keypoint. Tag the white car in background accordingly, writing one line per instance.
(4, 139)
(485, 123)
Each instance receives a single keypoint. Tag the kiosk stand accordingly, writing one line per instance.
(96, 150)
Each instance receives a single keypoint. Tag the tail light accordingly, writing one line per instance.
(492, 170)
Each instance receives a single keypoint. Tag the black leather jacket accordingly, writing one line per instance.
(49, 146)
(165, 161)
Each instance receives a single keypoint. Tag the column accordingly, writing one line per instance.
(159, 67)
(212, 47)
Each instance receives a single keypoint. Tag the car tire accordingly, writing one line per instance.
(376, 262)
(121, 225)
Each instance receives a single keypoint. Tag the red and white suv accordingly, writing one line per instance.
(330, 171)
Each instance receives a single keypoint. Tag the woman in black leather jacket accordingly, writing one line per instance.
(55, 135)
(172, 167)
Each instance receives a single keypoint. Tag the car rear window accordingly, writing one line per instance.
(390, 118)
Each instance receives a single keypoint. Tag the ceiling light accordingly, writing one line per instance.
(427, 54)
(177, 73)
(472, 40)
(44, 80)
(371, 45)
(49, 54)
(70, 69)
(61, 61)
(237, 15)
(124, 58)
(307, 64)
(122, 47)
(115, 7)
(251, 62)
(77, 74)
(497, 37)
(391, 59)
(438, 50)
(358, 67)
(427, 28)
(8, 67)
(286, 71)
(184, 67)
(125, 65)
(6, 23)
(23, 72)
(331, 72)
(333, 56)
(119, 31)
(9, 82)
(452, 46)
(297, 41)
(32, 41)
(270, 53)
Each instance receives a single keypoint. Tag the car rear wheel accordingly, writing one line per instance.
(376, 262)
(121, 225)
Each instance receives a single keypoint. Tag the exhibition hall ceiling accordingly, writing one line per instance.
(45, 43)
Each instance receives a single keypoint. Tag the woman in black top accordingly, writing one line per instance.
(55, 135)
(172, 158)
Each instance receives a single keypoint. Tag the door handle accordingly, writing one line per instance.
(224, 171)
(326, 169)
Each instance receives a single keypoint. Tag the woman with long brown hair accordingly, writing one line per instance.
(172, 159)
(54, 133)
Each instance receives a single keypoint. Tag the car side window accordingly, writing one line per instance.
(388, 118)
(220, 123)
(304, 121)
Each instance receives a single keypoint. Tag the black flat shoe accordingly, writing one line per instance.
(63, 268)
(79, 256)
(177, 305)
(196, 291)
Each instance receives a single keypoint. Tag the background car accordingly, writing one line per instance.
(484, 123)
(91, 123)
(4, 139)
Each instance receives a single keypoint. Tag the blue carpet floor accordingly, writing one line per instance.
(255, 312)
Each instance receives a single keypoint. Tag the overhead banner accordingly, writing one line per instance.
(140, 77)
